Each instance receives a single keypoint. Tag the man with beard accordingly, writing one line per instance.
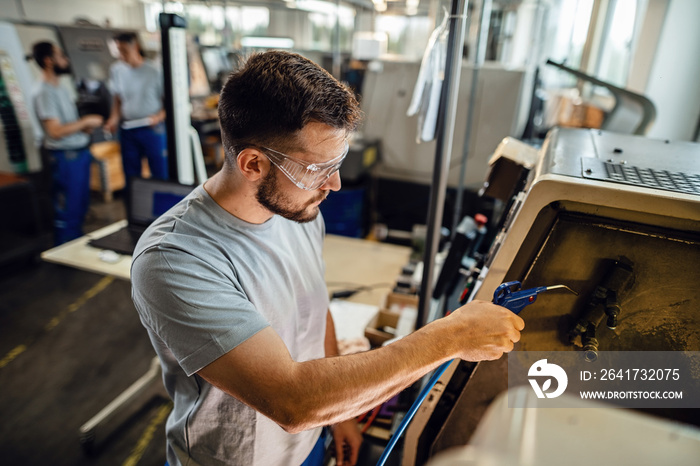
(66, 142)
(230, 287)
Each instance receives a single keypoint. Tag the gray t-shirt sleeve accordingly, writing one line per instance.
(47, 108)
(199, 313)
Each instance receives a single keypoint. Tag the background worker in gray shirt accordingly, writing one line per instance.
(137, 110)
(66, 140)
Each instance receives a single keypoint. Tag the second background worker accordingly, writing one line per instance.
(137, 111)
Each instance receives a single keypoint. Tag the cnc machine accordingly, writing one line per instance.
(616, 218)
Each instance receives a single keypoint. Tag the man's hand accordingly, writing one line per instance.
(55, 130)
(347, 439)
(111, 125)
(483, 331)
(157, 118)
(91, 122)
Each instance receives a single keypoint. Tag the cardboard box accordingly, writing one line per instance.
(374, 332)
(398, 301)
(398, 312)
(574, 113)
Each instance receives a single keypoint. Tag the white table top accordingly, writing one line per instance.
(79, 254)
(350, 262)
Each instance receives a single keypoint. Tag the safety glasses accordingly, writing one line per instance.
(304, 175)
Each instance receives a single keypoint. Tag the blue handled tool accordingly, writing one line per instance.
(503, 296)
(517, 300)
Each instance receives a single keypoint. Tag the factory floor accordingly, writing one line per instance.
(70, 342)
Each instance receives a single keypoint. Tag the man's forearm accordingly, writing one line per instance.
(56, 130)
(344, 387)
(115, 113)
(302, 395)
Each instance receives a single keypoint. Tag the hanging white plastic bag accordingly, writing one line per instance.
(426, 95)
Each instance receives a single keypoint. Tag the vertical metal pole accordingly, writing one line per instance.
(443, 150)
(20, 10)
(226, 33)
(336, 43)
(479, 57)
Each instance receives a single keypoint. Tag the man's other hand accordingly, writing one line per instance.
(111, 125)
(91, 122)
(347, 439)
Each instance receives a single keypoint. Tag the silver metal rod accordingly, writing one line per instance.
(443, 150)
(20, 10)
(479, 57)
(336, 66)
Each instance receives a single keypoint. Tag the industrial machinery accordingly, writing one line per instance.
(386, 95)
(614, 217)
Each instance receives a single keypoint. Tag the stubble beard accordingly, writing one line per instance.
(270, 198)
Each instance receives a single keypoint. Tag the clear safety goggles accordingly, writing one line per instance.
(303, 174)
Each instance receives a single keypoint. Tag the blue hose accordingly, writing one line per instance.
(411, 412)
(503, 296)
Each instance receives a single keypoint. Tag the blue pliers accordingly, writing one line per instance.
(517, 300)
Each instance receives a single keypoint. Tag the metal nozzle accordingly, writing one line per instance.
(555, 287)
(590, 344)
(590, 354)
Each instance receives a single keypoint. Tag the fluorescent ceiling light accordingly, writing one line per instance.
(319, 6)
(379, 5)
(268, 42)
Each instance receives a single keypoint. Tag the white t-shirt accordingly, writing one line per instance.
(204, 281)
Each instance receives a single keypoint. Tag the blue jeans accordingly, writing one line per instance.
(149, 142)
(70, 192)
(316, 456)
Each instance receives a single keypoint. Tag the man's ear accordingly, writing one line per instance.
(252, 164)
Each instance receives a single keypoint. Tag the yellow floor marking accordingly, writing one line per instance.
(147, 435)
(16, 351)
(92, 292)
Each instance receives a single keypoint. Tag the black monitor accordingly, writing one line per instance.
(216, 65)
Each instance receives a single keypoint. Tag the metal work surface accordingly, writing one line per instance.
(570, 151)
(641, 176)
(659, 306)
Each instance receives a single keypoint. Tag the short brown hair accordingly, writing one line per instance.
(274, 95)
(129, 38)
(41, 51)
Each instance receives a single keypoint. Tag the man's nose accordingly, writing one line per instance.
(333, 183)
